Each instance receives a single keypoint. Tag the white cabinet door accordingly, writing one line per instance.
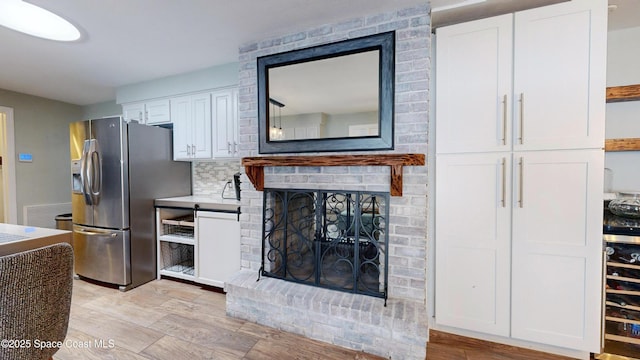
(218, 247)
(559, 72)
(149, 112)
(225, 123)
(133, 111)
(201, 119)
(557, 55)
(191, 117)
(182, 127)
(157, 112)
(473, 74)
(557, 248)
(473, 241)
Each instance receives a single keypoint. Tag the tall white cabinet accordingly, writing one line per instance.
(519, 174)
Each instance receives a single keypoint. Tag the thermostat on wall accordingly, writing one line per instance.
(25, 157)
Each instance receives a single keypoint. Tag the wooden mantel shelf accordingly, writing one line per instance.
(623, 93)
(254, 166)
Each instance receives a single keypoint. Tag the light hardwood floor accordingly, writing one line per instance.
(166, 319)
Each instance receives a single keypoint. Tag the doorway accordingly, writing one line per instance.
(9, 208)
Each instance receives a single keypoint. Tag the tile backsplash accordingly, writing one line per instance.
(209, 178)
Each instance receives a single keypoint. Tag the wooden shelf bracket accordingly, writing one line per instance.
(254, 166)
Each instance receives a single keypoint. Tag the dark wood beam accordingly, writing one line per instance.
(254, 166)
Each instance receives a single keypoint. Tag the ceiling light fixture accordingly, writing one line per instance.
(448, 4)
(36, 21)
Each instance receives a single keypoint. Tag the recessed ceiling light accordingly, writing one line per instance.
(36, 21)
(448, 4)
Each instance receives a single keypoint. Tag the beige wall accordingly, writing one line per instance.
(41, 129)
(100, 110)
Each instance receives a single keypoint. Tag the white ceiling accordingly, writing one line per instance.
(130, 41)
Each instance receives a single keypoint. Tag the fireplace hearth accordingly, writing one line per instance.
(331, 239)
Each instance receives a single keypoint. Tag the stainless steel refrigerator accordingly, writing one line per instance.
(118, 169)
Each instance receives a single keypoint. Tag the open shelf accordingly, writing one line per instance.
(620, 94)
(623, 93)
(629, 144)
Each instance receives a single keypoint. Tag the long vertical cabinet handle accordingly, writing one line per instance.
(521, 138)
(504, 182)
(521, 189)
(504, 119)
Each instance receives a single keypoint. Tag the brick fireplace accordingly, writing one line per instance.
(399, 329)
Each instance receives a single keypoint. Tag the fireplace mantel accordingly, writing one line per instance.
(254, 166)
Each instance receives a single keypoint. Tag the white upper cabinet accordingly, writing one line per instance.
(191, 117)
(555, 58)
(149, 112)
(473, 91)
(225, 115)
(205, 125)
(560, 76)
(133, 112)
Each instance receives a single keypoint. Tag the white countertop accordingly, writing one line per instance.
(15, 238)
(204, 202)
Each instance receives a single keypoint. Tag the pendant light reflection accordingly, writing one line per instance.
(36, 21)
(276, 133)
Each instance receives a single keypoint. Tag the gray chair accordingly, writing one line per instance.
(35, 299)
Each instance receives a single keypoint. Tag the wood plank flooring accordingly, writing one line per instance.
(166, 319)
(445, 346)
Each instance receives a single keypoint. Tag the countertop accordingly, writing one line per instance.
(203, 202)
(16, 238)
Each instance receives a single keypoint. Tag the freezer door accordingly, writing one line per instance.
(109, 180)
(102, 255)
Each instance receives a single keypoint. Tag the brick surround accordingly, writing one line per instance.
(398, 331)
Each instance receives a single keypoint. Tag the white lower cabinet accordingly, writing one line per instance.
(218, 246)
(519, 245)
(473, 236)
(556, 286)
(200, 246)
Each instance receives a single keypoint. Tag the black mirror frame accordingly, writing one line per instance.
(385, 42)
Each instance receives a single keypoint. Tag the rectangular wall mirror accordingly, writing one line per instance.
(333, 97)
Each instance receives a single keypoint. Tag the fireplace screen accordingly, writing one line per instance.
(325, 238)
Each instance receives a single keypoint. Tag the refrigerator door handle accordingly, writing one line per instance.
(84, 172)
(95, 233)
(94, 173)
